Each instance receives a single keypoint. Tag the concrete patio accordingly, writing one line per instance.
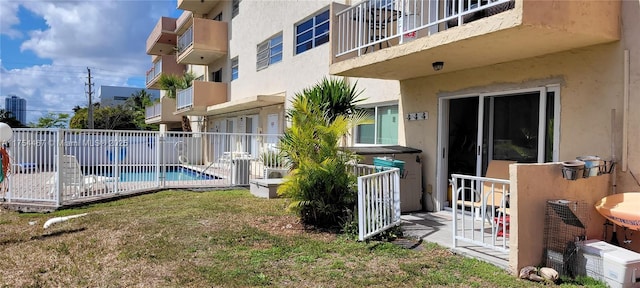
(437, 227)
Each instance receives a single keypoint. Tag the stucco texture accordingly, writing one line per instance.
(532, 186)
(590, 82)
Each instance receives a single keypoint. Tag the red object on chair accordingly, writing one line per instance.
(503, 228)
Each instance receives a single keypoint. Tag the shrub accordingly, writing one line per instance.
(322, 190)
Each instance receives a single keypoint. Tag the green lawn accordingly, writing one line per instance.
(217, 238)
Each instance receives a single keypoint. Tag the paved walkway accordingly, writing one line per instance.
(437, 227)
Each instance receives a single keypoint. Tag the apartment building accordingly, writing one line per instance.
(17, 106)
(523, 80)
(531, 81)
(250, 58)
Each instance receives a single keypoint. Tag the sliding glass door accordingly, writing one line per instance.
(512, 125)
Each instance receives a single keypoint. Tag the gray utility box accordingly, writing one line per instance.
(265, 188)
(411, 187)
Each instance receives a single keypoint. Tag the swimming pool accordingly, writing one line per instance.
(171, 174)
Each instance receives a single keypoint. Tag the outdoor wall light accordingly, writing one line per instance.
(438, 65)
(5, 133)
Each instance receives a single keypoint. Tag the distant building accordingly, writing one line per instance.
(17, 106)
(117, 95)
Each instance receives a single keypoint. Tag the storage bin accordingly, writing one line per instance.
(621, 268)
(590, 258)
(389, 162)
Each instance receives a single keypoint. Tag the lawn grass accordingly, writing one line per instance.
(219, 239)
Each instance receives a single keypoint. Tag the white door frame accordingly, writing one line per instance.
(443, 129)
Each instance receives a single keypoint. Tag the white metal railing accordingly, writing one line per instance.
(378, 199)
(59, 167)
(152, 111)
(185, 40)
(481, 211)
(184, 99)
(150, 75)
(372, 23)
(155, 71)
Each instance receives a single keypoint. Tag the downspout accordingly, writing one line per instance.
(625, 113)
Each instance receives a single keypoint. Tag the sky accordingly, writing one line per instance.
(46, 47)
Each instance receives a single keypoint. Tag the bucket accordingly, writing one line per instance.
(591, 165)
(572, 170)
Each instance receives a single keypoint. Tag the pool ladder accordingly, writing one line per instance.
(205, 169)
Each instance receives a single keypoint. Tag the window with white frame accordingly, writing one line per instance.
(312, 32)
(269, 52)
(384, 130)
(234, 68)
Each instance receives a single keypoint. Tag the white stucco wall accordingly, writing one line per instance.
(258, 21)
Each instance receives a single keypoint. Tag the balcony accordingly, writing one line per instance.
(201, 41)
(163, 37)
(195, 99)
(197, 6)
(164, 64)
(162, 112)
(385, 39)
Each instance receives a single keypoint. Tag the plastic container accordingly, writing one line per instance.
(591, 165)
(572, 170)
(589, 261)
(622, 268)
(389, 162)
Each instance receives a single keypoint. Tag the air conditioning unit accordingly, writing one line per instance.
(270, 173)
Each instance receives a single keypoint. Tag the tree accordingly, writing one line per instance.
(137, 103)
(172, 83)
(322, 190)
(8, 118)
(112, 118)
(52, 120)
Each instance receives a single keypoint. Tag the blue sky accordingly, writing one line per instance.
(46, 47)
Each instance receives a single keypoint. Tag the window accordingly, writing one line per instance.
(235, 4)
(234, 68)
(385, 128)
(218, 17)
(216, 76)
(269, 52)
(312, 32)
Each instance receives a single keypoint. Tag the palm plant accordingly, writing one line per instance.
(172, 83)
(137, 104)
(322, 190)
(334, 96)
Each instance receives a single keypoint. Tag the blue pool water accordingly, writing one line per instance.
(171, 174)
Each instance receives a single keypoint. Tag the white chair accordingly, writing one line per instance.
(74, 182)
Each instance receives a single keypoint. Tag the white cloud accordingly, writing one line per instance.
(51, 88)
(107, 36)
(9, 18)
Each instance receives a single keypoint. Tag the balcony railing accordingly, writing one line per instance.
(185, 40)
(153, 111)
(184, 99)
(373, 24)
(155, 71)
(201, 41)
